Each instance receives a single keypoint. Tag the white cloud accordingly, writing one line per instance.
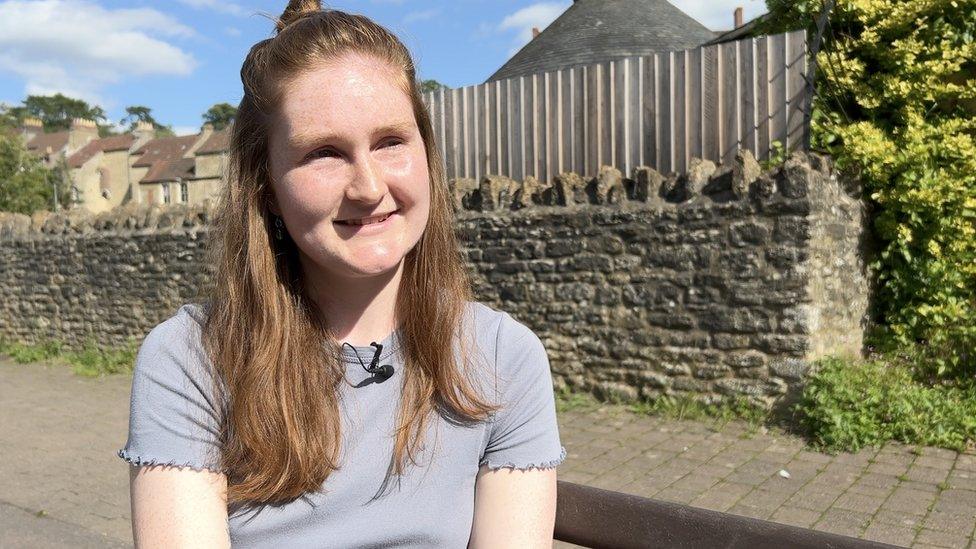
(424, 15)
(186, 130)
(216, 5)
(232, 31)
(77, 46)
(537, 15)
(717, 14)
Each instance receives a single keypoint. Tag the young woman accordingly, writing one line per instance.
(339, 388)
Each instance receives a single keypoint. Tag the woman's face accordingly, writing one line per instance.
(349, 168)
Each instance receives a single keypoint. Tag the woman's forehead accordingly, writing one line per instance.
(351, 96)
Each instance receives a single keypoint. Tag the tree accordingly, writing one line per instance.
(57, 111)
(26, 185)
(139, 113)
(220, 115)
(430, 85)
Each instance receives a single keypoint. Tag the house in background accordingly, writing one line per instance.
(53, 147)
(163, 168)
(595, 31)
(210, 166)
(100, 171)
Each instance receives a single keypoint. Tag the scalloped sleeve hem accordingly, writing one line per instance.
(494, 466)
(143, 461)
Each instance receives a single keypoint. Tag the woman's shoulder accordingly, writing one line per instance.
(498, 330)
(176, 342)
(188, 320)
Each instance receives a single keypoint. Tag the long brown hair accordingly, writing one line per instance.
(278, 366)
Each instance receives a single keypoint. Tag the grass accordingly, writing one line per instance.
(670, 407)
(90, 361)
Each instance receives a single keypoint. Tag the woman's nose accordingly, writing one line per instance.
(367, 184)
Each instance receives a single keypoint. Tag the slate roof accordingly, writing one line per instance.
(41, 141)
(164, 158)
(593, 31)
(218, 142)
(180, 168)
(106, 144)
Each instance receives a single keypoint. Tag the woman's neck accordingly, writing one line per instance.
(357, 310)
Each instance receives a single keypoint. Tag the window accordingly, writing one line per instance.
(184, 192)
(166, 196)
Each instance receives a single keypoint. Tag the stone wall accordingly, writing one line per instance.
(723, 281)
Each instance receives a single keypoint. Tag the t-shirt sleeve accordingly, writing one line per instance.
(523, 434)
(173, 415)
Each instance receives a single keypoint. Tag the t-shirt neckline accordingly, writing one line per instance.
(391, 344)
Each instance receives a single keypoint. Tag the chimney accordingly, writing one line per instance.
(535, 32)
(144, 131)
(738, 17)
(32, 127)
(82, 131)
(205, 132)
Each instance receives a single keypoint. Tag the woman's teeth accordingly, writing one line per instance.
(367, 220)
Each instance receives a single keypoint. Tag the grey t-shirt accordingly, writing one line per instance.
(174, 420)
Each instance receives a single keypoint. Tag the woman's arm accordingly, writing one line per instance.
(514, 508)
(178, 508)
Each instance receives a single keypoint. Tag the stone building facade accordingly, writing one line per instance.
(720, 282)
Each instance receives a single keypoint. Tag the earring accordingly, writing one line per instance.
(279, 225)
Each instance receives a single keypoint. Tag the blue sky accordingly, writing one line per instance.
(179, 57)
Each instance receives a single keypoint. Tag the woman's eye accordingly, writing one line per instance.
(393, 142)
(321, 153)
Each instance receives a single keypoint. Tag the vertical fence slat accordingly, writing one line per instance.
(747, 118)
(504, 122)
(693, 104)
(552, 125)
(762, 98)
(606, 118)
(518, 128)
(483, 144)
(711, 86)
(450, 134)
(777, 89)
(633, 115)
(666, 110)
(796, 57)
(592, 139)
(730, 101)
(464, 132)
(620, 99)
(680, 96)
(566, 143)
(650, 112)
(540, 123)
(529, 106)
(579, 119)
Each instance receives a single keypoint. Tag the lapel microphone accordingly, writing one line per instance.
(384, 371)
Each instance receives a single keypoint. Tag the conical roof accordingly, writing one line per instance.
(593, 31)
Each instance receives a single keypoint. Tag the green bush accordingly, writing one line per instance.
(896, 106)
(847, 405)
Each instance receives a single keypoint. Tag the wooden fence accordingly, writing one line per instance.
(659, 110)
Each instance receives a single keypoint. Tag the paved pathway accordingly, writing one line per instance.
(62, 486)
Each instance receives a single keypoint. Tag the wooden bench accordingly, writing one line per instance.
(592, 517)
